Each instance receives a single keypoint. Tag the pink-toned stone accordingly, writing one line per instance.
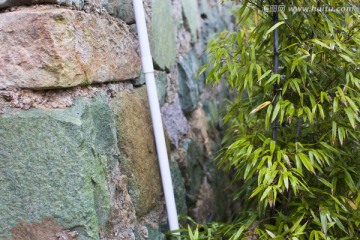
(47, 47)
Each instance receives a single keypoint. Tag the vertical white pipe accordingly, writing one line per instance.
(148, 69)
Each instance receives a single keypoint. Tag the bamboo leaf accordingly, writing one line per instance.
(351, 116)
(335, 104)
(342, 95)
(347, 58)
(286, 159)
(339, 224)
(352, 104)
(272, 147)
(272, 79)
(321, 111)
(293, 65)
(333, 132)
(264, 76)
(267, 117)
(257, 191)
(265, 193)
(286, 180)
(258, 71)
(275, 112)
(313, 58)
(272, 235)
(325, 182)
(261, 106)
(274, 27)
(358, 199)
(352, 204)
(341, 134)
(330, 26)
(296, 223)
(323, 219)
(320, 43)
(306, 162)
(349, 181)
(252, 54)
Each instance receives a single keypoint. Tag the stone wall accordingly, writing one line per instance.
(77, 154)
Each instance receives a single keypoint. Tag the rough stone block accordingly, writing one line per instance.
(191, 164)
(155, 234)
(54, 168)
(192, 17)
(174, 120)
(136, 141)
(160, 81)
(163, 47)
(190, 87)
(122, 9)
(179, 188)
(161, 84)
(12, 3)
(52, 48)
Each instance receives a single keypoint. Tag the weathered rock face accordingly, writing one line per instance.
(51, 48)
(12, 3)
(191, 162)
(179, 188)
(48, 228)
(174, 120)
(148, 232)
(192, 17)
(160, 81)
(161, 84)
(53, 168)
(136, 140)
(162, 34)
(88, 170)
(190, 87)
(122, 9)
(199, 126)
(204, 207)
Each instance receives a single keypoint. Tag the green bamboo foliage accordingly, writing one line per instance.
(310, 173)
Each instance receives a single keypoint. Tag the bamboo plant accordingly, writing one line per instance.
(293, 131)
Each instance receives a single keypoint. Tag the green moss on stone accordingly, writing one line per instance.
(191, 13)
(55, 163)
(163, 45)
(136, 141)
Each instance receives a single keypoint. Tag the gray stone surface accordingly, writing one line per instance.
(191, 165)
(179, 188)
(208, 15)
(136, 140)
(162, 36)
(47, 47)
(139, 81)
(212, 113)
(192, 17)
(161, 84)
(122, 9)
(12, 3)
(148, 232)
(174, 120)
(155, 234)
(215, 17)
(79, 179)
(53, 168)
(226, 19)
(190, 87)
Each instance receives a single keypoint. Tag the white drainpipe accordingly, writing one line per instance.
(148, 69)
